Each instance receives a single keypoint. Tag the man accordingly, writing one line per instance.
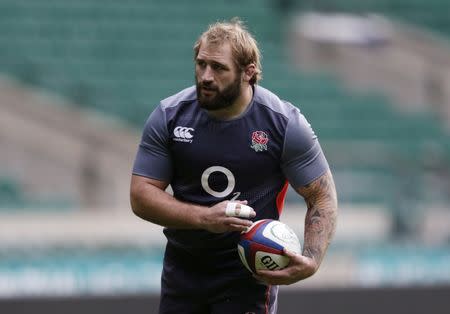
(228, 139)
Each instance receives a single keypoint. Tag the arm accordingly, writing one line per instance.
(320, 224)
(148, 197)
(320, 221)
(150, 202)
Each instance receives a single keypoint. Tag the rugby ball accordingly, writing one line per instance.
(261, 246)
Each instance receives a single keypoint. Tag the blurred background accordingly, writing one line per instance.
(79, 78)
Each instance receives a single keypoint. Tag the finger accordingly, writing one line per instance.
(235, 209)
(270, 277)
(277, 277)
(239, 228)
(238, 222)
(245, 211)
(270, 273)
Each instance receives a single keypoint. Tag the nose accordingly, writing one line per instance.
(207, 75)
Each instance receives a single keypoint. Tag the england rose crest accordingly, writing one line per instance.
(259, 141)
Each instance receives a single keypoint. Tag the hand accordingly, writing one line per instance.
(300, 267)
(215, 218)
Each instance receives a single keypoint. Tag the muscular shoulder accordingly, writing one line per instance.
(272, 102)
(186, 95)
(302, 159)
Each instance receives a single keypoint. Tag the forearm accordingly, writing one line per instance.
(320, 220)
(153, 204)
(150, 202)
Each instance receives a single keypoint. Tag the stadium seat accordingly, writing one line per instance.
(122, 59)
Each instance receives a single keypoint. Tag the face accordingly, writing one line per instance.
(217, 78)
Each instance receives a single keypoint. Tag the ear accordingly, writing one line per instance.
(248, 72)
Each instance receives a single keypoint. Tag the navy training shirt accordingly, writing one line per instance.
(206, 160)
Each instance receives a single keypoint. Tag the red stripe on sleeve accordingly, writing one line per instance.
(281, 197)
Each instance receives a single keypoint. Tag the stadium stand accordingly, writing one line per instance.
(431, 14)
(10, 192)
(112, 58)
(122, 58)
(13, 197)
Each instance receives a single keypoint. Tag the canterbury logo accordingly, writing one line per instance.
(183, 134)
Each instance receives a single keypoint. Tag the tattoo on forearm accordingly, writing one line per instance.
(320, 221)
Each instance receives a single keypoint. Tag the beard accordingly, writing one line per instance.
(223, 99)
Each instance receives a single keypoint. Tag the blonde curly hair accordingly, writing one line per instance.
(243, 46)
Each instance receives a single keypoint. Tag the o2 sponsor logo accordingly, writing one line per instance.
(231, 182)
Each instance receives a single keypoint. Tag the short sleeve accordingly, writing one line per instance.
(153, 158)
(303, 160)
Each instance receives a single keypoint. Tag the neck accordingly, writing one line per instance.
(237, 108)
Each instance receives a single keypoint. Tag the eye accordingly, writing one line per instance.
(201, 63)
(217, 67)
